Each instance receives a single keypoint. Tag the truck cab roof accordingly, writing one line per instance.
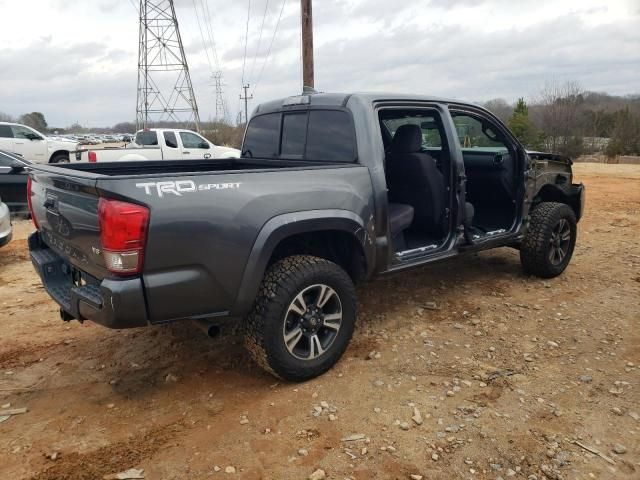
(341, 99)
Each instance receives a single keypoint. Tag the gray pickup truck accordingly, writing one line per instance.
(330, 190)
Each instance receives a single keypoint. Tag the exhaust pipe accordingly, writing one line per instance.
(211, 329)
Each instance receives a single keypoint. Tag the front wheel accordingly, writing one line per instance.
(548, 245)
(60, 158)
(302, 319)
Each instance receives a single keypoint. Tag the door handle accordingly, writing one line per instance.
(207, 155)
(185, 153)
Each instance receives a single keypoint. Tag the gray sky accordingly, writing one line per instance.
(75, 60)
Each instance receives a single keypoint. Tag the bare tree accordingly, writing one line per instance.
(4, 117)
(500, 108)
(560, 106)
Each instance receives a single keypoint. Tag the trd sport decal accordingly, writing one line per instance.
(183, 186)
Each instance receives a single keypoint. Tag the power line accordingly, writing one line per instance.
(275, 32)
(255, 57)
(204, 43)
(246, 41)
(134, 6)
(208, 23)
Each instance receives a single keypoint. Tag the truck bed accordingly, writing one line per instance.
(181, 167)
(206, 218)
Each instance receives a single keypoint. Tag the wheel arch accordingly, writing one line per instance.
(552, 193)
(337, 235)
(59, 152)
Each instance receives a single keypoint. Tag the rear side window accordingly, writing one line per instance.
(170, 139)
(147, 139)
(5, 161)
(330, 137)
(5, 131)
(263, 136)
(315, 135)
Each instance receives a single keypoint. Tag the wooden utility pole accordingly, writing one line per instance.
(246, 99)
(307, 44)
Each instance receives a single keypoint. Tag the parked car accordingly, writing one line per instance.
(161, 144)
(33, 145)
(331, 190)
(13, 182)
(5, 224)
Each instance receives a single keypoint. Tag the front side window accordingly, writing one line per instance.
(24, 132)
(170, 139)
(146, 139)
(191, 140)
(474, 133)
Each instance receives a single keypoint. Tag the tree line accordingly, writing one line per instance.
(566, 119)
(562, 118)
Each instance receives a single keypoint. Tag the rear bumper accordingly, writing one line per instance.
(112, 303)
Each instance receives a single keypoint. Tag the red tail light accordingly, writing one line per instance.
(93, 158)
(123, 233)
(33, 217)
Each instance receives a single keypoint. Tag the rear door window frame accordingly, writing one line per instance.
(303, 158)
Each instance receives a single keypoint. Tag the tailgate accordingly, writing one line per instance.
(66, 210)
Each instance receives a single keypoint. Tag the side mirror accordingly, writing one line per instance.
(204, 145)
(17, 167)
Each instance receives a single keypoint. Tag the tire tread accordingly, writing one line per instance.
(279, 284)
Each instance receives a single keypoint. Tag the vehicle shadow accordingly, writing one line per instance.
(160, 357)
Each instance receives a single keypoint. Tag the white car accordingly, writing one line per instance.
(161, 144)
(33, 145)
(5, 225)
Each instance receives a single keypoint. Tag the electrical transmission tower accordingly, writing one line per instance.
(165, 92)
(221, 104)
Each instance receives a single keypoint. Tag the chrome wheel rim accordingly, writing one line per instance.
(312, 322)
(559, 242)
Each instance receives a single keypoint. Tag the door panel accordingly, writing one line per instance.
(195, 147)
(34, 149)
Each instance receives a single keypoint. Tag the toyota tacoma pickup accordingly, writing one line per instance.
(160, 144)
(330, 190)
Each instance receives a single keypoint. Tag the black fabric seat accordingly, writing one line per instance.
(414, 179)
(400, 217)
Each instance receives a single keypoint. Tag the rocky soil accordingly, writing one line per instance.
(463, 370)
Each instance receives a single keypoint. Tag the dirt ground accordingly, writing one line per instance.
(513, 376)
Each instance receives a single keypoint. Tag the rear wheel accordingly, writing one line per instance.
(302, 319)
(548, 245)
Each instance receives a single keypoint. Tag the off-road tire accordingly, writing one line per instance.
(60, 158)
(535, 248)
(264, 325)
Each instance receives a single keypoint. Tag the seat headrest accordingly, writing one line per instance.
(407, 139)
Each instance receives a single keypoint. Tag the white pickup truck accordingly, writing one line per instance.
(160, 144)
(33, 145)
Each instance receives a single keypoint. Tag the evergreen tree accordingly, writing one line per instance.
(522, 126)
